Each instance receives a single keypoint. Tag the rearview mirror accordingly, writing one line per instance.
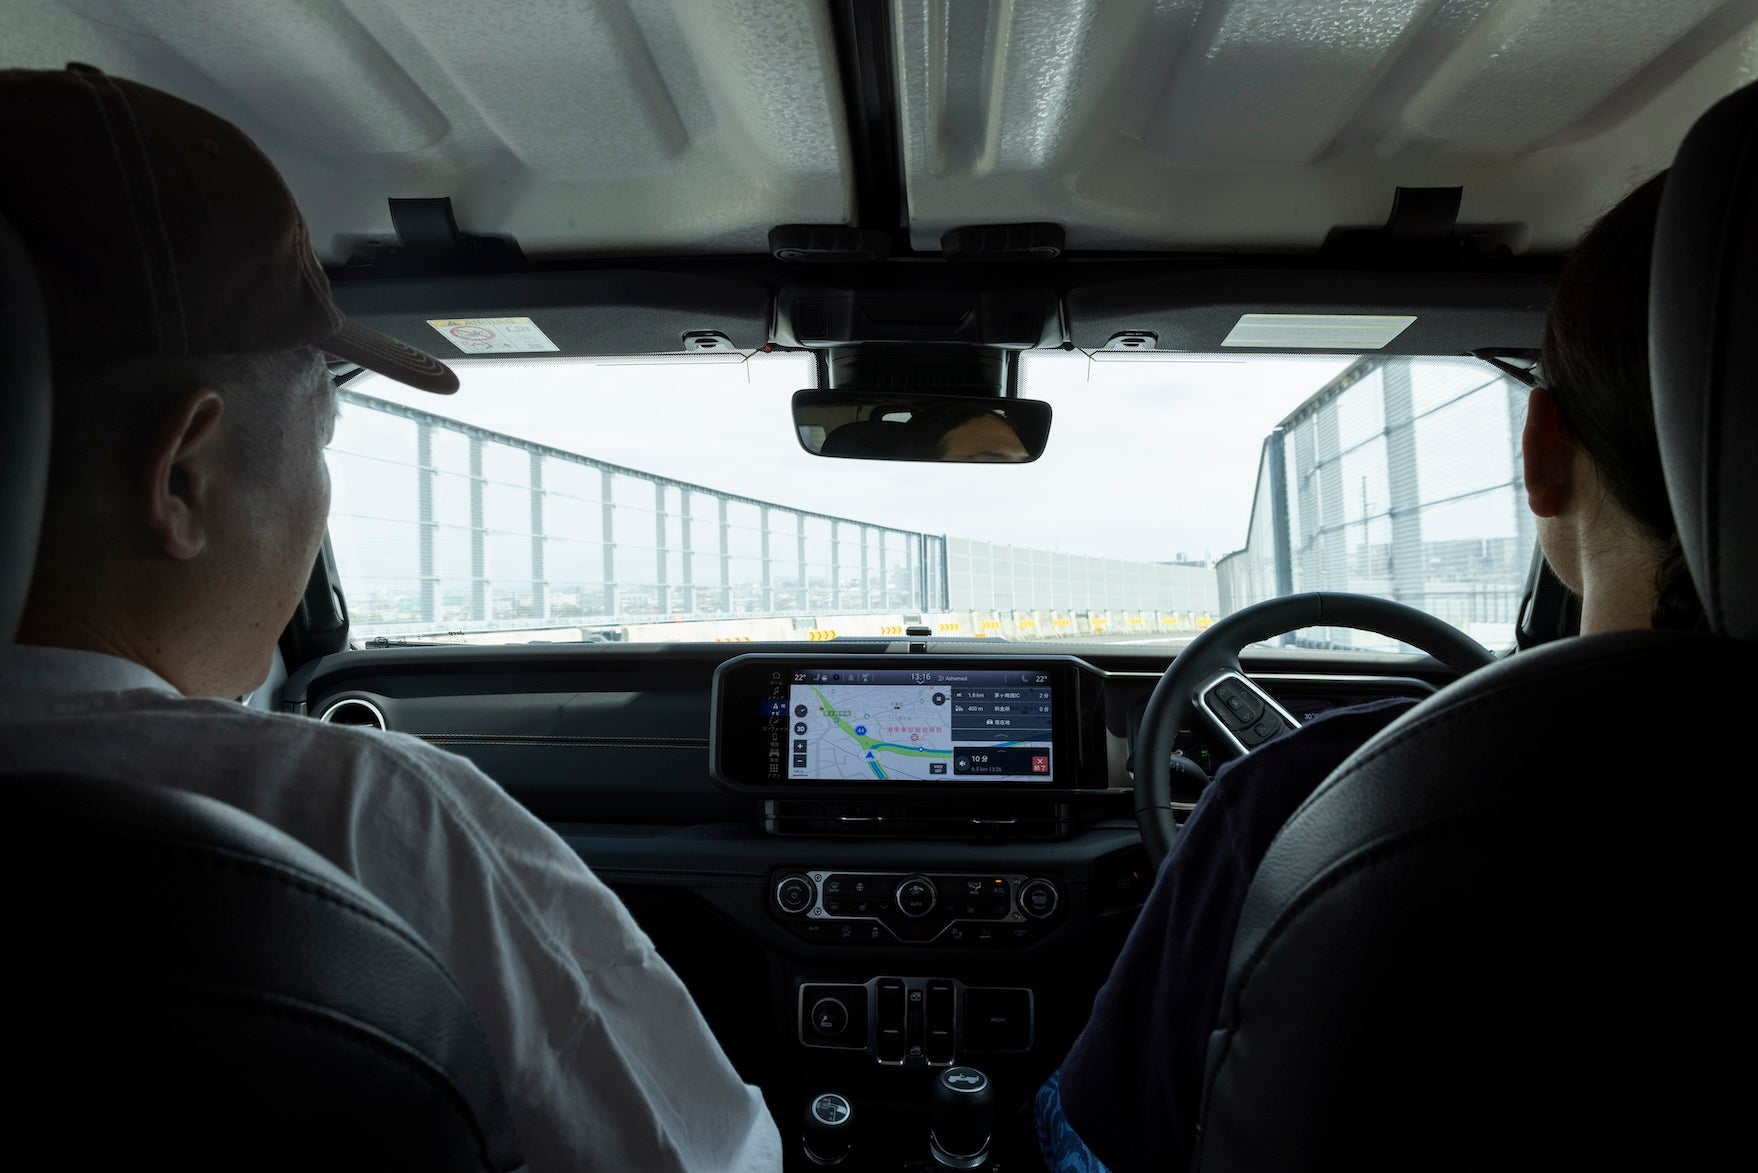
(863, 424)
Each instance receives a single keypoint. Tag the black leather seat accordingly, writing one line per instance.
(1513, 929)
(189, 987)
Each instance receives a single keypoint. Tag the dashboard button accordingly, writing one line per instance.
(939, 1043)
(794, 894)
(890, 1020)
(997, 1019)
(1038, 898)
(829, 1017)
(916, 896)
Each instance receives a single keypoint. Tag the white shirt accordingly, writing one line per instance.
(606, 1061)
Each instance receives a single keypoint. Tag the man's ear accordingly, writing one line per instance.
(181, 473)
(1547, 455)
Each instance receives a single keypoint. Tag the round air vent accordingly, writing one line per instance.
(354, 711)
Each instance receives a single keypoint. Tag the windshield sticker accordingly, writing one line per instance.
(493, 335)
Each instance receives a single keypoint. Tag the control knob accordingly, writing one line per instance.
(794, 894)
(961, 1110)
(826, 1133)
(1038, 898)
(916, 896)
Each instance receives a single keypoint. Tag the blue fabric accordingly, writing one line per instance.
(1064, 1151)
(1131, 1086)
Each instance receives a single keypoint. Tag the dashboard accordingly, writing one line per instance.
(868, 862)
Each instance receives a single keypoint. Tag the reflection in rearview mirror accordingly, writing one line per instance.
(863, 424)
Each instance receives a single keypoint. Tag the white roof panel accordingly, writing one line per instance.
(1262, 124)
(584, 127)
(572, 125)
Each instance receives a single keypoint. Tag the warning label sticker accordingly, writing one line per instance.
(493, 335)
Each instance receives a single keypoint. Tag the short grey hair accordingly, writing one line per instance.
(107, 407)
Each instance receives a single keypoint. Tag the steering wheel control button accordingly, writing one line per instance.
(1239, 706)
(794, 894)
(916, 896)
(1038, 898)
(1268, 727)
(829, 1017)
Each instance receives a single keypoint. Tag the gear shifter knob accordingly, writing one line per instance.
(960, 1113)
(827, 1133)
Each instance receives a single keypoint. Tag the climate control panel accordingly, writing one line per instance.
(915, 908)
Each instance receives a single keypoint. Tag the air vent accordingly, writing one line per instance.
(354, 711)
(1011, 822)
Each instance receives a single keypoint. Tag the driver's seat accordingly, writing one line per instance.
(1514, 929)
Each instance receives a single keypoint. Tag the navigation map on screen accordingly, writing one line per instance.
(919, 726)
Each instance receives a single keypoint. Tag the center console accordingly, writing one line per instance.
(926, 1002)
(915, 1021)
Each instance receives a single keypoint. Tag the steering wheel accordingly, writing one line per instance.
(1205, 676)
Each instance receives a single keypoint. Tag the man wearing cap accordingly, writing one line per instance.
(189, 321)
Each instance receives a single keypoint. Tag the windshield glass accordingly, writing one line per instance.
(668, 498)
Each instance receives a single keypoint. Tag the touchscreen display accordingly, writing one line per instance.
(935, 725)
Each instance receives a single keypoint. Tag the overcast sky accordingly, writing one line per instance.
(1146, 460)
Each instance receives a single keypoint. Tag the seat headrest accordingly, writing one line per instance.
(1703, 355)
(874, 438)
(24, 425)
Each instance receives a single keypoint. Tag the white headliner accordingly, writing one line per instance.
(618, 126)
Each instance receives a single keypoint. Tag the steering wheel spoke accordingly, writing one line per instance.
(1243, 714)
(1206, 675)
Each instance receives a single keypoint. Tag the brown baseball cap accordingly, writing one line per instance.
(158, 228)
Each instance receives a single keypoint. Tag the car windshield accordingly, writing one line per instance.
(668, 498)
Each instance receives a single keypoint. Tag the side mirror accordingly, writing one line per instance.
(862, 424)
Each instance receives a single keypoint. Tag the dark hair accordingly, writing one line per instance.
(1595, 365)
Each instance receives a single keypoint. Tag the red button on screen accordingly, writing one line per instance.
(1041, 763)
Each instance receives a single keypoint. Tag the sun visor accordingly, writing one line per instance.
(1289, 311)
(598, 312)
